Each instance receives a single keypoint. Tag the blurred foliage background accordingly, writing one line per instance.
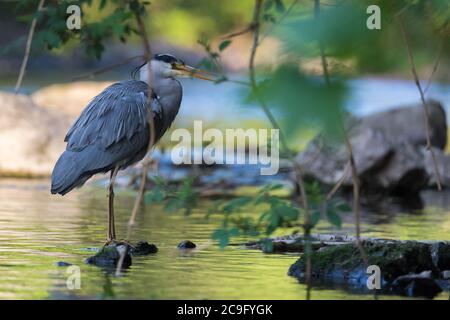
(294, 40)
(352, 48)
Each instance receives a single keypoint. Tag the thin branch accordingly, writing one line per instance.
(426, 110)
(435, 65)
(247, 29)
(326, 74)
(306, 227)
(28, 47)
(339, 182)
(351, 160)
(403, 9)
(107, 68)
(146, 161)
(285, 14)
(356, 199)
(297, 169)
(252, 74)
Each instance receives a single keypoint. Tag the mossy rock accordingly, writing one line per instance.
(143, 248)
(341, 262)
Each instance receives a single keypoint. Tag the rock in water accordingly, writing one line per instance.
(186, 244)
(407, 267)
(389, 150)
(109, 256)
(143, 248)
(68, 98)
(417, 285)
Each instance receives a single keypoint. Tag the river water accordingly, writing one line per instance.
(38, 229)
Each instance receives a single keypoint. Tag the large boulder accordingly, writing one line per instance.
(69, 98)
(389, 151)
(31, 137)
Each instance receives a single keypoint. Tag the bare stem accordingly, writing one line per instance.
(323, 58)
(107, 68)
(297, 169)
(253, 83)
(285, 14)
(339, 182)
(238, 33)
(351, 160)
(426, 110)
(146, 160)
(356, 199)
(28, 48)
(435, 65)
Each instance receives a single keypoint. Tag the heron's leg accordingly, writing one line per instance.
(111, 226)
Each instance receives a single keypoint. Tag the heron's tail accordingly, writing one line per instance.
(68, 173)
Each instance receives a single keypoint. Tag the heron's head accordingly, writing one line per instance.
(168, 66)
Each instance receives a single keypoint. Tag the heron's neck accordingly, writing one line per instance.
(169, 92)
(168, 89)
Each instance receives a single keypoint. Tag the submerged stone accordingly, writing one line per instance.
(143, 248)
(402, 264)
(186, 244)
(417, 285)
(109, 256)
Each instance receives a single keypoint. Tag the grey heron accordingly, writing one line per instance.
(113, 133)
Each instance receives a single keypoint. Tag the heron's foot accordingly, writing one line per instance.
(117, 242)
(109, 242)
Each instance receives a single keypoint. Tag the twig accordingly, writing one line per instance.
(424, 103)
(435, 65)
(403, 9)
(306, 227)
(252, 75)
(147, 159)
(339, 182)
(285, 14)
(351, 160)
(297, 168)
(356, 199)
(323, 58)
(28, 47)
(247, 29)
(106, 68)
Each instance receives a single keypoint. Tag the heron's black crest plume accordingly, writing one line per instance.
(168, 58)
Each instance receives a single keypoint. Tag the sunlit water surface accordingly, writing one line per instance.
(37, 230)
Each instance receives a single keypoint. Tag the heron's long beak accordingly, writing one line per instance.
(196, 73)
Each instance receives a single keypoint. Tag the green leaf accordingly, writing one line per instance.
(334, 218)
(236, 204)
(268, 5)
(172, 205)
(267, 246)
(221, 235)
(280, 6)
(315, 217)
(224, 44)
(344, 207)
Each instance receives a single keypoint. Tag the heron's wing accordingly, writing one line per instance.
(118, 113)
(113, 129)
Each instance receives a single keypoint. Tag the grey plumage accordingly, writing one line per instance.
(113, 131)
